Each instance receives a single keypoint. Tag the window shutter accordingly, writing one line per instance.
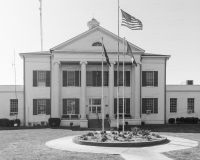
(34, 106)
(99, 80)
(115, 78)
(94, 78)
(48, 79)
(155, 105)
(34, 78)
(64, 78)
(128, 78)
(143, 78)
(64, 106)
(48, 106)
(77, 78)
(143, 105)
(115, 105)
(76, 106)
(127, 105)
(156, 78)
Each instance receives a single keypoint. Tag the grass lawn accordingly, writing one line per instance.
(25, 144)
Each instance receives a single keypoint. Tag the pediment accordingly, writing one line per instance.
(91, 40)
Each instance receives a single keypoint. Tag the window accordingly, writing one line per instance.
(41, 78)
(13, 106)
(126, 105)
(97, 44)
(94, 105)
(41, 104)
(94, 78)
(149, 105)
(71, 78)
(173, 105)
(190, 104)
(126, 78)
(71, 106)
(149, 78)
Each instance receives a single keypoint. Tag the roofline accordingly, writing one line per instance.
(121, 39)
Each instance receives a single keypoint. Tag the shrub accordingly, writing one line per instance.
(11, 123)
(54, 122)
(182, 119)
(178, 120)
(196, 120)
(142, 123)
(171, 121)
(17, 121)
(4, 122)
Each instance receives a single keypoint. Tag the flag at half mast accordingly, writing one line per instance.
(130, 21)
(130, 53)
(106, 55)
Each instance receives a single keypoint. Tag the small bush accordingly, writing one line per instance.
(17, 121)
(196, 120)
(54, 122)
(171, 121)
(182, 119)
(178, 120)
(142, 123)
(4, 122)
(11, 123)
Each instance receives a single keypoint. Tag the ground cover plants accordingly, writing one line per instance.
(135, 135)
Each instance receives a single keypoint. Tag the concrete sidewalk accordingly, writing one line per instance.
(142, 153)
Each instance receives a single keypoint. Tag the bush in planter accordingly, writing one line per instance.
(4, 122)
(171, 120)
(178, 120)
(17, 121)
(196, 120)
(54, 122)
(11, 123)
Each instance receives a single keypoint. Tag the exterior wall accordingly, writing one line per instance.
(155, 64)
(7, 92)
(182, 92)
(31, 64)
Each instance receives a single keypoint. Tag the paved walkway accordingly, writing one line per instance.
(142, 153)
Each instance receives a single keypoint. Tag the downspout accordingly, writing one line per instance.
(24, 93)
(165, 112)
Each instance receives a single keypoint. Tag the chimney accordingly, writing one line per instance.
(93, 23)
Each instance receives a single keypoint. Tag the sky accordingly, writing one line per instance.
(170, 27)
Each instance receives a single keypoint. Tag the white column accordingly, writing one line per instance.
(137, 92)
(83, 90)
(56, 92)
(132, 109)
(111, 90)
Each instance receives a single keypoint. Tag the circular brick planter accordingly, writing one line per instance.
(120, 144)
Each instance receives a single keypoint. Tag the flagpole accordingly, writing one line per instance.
(118, 74)
(123, 82)
(102, 103)
(41, 32)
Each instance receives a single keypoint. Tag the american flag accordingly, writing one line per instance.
(130, 21)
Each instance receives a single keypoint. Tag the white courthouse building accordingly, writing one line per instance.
(65, 83)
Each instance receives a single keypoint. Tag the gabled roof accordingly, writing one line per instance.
(90, 31)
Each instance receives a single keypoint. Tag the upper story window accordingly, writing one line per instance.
(94, 78)
(190, 105)
(126, 78)
(71, 78)
(150, 78)
(173, 105)
(97, 44)
(13, 106)
(41, 78)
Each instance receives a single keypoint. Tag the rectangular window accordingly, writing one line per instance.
(126, 105)
(13, 106)
(71, 78)
(121, 105)
(41, 78)
(41, 106)
(149, 78)
(190, 103)
(126, 78)
(173, 105)
(94, 105)
(94, 78)
(149, 104)
(69, 107)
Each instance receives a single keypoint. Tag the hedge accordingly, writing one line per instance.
(54, 122)
(171, 121)
(4, 122)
